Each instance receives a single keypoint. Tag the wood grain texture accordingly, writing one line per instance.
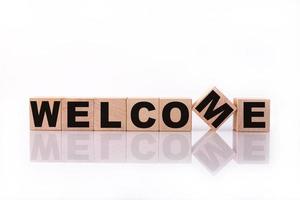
(176, 115)
(144, 114)
(116, 113)
(88, 110)
(238, 119)
(223, 100)
(45, 125)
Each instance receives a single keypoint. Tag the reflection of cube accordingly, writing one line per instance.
(175, 115)
(252, 115)
(77, 114)
(110, 114)
(142, 147)
(251, 147)
(45, 146)
(77, 146)
(212, 151)
(142, 114)
(175, 147)
(45, 114)
(110, 146)
(214, 108)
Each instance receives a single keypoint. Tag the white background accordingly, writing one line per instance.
(149, 48)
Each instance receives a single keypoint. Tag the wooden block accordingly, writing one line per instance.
(142, 114)
(77, 114)
(214, 108)
(110, 114)
(252, 115)
(175, 115)
(45, 114)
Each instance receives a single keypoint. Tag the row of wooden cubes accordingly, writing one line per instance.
(148, 114)
(121, 114)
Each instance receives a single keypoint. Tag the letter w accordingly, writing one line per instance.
(38, 116)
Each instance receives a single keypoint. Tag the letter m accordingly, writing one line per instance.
(214, 109)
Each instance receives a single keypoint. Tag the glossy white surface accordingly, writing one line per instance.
(162, 48)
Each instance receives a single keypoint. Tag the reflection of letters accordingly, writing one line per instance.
(174, 147)
(110, 146)
(45, 147)
(77, 146)
(212, 151)
(251, 147)
(142, 147)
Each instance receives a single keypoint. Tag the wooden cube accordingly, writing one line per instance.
(142, 114)
(175, 115)
(252, 115)
(214, 108)
(45, 114)
(77, 114)
(110, 114)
